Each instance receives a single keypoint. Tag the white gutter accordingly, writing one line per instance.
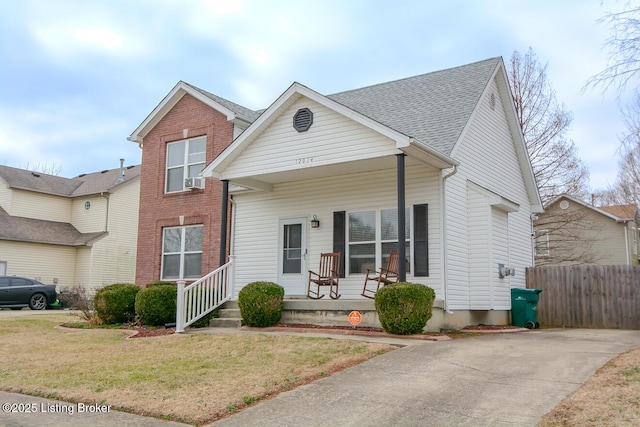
(443, 234)
(626, 242)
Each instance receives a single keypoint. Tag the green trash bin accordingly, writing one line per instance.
(524, 307)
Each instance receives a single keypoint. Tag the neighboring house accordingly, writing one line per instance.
(573, 232)
(69, 231)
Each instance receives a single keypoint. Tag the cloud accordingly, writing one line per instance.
(84, 28)
(51, 134)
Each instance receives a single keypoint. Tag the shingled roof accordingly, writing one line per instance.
(241, 112)
(82, 185)
(624, 212)
(22, 229)
(432, 108)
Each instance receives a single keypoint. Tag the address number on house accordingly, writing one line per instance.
(304, 160)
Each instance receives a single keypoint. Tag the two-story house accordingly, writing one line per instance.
(571, 232)
(433, 165)
(69, 231)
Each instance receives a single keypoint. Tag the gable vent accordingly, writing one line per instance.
(302, 120)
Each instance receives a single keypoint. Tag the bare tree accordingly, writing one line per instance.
(556, 165)
(47, 168)
(565, 237)
(624, 50)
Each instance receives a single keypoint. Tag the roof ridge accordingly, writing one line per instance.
(444, 70)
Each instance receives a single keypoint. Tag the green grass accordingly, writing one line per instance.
(191, 378)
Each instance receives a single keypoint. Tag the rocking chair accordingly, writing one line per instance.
(329, 275)
(383, 276)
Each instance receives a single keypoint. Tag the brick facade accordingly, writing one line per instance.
(187, 119)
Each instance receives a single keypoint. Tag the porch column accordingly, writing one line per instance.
(402, 268)
(223, 222)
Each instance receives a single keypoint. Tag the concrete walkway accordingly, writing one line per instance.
(496, 380)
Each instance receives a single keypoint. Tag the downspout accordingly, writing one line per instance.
(223, 223)
(106, 221)
(443, 228)
(626, 242)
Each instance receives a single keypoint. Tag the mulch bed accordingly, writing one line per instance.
(148, 332)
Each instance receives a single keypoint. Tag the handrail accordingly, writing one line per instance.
(202, 296)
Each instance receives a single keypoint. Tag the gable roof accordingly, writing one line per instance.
(433, 108)
(625, 212)
(31, 230)
(233, 111)
(605, 210)
(93, 183)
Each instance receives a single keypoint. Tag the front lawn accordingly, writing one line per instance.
(190, 378)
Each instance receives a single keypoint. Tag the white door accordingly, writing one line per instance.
(292, 265)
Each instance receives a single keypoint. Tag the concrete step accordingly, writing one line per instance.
(230, 313)
(219, 322)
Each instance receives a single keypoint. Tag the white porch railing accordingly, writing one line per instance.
(203, 296)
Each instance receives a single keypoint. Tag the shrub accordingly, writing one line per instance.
(404, 308)
(116, 303)
(159, 283)
(261, 304)
(156, 304)
(77, 298)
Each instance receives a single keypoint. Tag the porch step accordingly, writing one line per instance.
(229, 318)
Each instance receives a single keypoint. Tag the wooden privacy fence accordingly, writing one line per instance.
(588, 296)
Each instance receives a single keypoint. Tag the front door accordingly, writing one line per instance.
(292, 255)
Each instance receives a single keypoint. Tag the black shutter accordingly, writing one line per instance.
(339, 237)
(421, 240)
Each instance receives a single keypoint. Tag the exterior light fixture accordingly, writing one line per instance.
(315, 222)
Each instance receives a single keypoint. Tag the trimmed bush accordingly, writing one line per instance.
(404, 308)
(156, 304)
(116, 303)
(159, 283)
(261, 304)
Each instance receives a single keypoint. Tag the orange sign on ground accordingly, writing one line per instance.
(355, 317)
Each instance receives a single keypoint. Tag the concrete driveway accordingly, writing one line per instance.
(498, 380)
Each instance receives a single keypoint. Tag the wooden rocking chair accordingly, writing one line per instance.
(329, 275)
(381, 277)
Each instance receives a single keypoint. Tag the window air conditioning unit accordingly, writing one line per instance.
(194, 183)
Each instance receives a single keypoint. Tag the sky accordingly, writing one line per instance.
(78, 77)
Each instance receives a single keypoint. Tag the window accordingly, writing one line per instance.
(185, 159)
(3, 268)
(541, 243)
(634, 240)
(182, 252)
(372, 235)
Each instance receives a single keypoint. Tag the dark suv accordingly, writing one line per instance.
(19, 292)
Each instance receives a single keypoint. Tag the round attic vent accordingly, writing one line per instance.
(564, 205)
(302, 120)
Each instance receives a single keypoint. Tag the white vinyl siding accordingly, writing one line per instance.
(331, 139)
(479, 250)
(257, 214)
(487, 157)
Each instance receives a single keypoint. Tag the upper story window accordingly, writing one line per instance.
(185, 159)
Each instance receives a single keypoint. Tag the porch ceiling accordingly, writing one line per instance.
(266, 181)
